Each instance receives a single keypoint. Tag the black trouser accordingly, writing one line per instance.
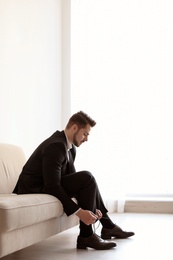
(83, 187)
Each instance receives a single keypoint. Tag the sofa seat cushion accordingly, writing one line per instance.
(17, 211)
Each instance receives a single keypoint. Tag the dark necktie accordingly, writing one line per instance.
(70, 162)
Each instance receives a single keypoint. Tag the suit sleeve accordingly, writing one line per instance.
(53, 159)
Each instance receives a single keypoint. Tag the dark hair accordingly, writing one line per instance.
(81, 119)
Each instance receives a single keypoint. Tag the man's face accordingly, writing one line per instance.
(81, 135)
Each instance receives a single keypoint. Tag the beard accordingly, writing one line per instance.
(75, 142)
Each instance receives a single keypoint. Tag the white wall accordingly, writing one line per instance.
(122, 76)
(30, 71)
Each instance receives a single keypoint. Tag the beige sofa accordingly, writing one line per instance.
(25, 219)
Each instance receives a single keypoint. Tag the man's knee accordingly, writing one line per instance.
(87, 176)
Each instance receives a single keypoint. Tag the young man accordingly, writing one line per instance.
(50, 169)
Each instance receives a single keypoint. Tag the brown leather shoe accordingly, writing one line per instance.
(116, 232)
(95, 242)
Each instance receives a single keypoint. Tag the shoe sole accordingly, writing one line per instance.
(109, 237)
(81, 246)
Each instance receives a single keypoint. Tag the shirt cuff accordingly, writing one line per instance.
(76, 211)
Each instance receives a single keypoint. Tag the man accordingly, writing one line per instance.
(50, 169)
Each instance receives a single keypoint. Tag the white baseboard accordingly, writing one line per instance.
(149, 205)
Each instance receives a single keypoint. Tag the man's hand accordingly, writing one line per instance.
(99, 214)
(87, 216)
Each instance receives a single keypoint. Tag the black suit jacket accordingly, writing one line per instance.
(43, 171)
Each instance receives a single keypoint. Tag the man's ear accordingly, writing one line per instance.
(75, 127)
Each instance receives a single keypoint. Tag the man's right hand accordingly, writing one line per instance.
(87, 216)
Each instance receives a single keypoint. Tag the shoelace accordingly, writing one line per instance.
(94, 225)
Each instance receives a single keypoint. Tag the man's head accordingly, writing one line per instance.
(78, 128)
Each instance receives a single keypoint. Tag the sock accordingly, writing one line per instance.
(85, 231)
(107, 222)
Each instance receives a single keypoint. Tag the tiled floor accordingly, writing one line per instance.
(153, 240)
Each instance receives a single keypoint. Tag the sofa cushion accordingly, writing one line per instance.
(12, 159)
(17, 211)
